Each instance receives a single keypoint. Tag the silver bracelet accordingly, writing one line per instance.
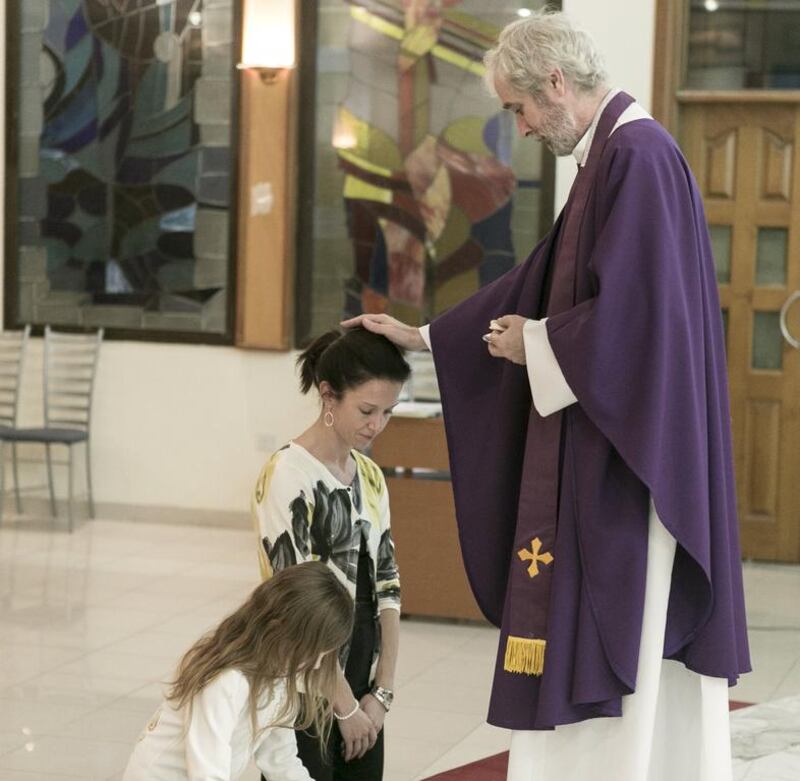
(352, 712)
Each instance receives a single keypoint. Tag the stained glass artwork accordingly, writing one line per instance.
(124, 179)
(422, 192)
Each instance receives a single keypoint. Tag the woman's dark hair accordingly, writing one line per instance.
(346, 359)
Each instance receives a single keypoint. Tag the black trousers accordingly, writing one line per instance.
(370, 766)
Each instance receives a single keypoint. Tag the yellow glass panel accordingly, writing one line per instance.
(456, 232)
(366, 143)
(456, 290)
(466, 134)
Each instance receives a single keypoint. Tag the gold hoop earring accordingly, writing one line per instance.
(328, 418)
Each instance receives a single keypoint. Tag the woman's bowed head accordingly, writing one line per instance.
(359, 375)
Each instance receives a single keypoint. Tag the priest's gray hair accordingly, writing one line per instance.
(529, 49)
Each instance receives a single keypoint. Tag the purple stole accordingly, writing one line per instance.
(530, 573)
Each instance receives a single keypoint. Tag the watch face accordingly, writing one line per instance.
(383, 696)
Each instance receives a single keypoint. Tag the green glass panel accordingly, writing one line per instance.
(767, 341)
(725, 319)
(771, 256)
(721, 247)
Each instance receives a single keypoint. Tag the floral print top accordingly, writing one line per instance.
(303, 512)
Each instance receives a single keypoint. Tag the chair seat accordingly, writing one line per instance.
(63, 436)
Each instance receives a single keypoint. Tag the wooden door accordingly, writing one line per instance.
(743, 149)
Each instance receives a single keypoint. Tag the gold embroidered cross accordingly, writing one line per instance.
(534, 557)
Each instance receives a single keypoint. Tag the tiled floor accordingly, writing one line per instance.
(766, 741)
(91, 622)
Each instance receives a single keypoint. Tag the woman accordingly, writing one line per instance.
(236, 695)
(320, 497)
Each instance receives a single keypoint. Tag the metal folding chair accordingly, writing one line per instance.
(70, 364)
(13, 345)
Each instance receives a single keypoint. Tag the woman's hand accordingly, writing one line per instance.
(358, 735)
(374, 710)
(406, 336)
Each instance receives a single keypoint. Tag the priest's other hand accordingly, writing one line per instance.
(405, 336)
(508, 343)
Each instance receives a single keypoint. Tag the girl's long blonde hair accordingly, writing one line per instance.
(278, 634)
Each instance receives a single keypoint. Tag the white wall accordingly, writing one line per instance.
(179, 425)
(2, 137)
(624, 31)
(189, 426)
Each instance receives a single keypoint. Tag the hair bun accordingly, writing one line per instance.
(346, 359)
(308, 360)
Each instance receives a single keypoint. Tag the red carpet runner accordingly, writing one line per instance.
(494, 768)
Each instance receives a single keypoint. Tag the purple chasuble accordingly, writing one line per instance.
(640, 344)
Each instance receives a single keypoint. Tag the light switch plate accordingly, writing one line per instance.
(262, 199)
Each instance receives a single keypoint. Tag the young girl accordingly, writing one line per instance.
(237, 692)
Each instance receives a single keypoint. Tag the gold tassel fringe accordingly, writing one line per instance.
(524, 655)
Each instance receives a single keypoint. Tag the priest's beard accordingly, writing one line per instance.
(557, 129)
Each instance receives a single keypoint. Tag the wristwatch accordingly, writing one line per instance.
(383, 696)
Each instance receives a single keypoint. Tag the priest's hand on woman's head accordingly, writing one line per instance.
(406, 336)
(508, 342)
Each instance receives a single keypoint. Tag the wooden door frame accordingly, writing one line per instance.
(669, 60)
(668, 105)
(268, 155)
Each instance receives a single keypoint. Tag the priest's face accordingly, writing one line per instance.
(544, 117)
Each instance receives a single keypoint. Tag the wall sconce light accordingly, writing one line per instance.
(268, 39)
(268, 75)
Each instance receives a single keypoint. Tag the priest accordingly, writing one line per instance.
(586, 409)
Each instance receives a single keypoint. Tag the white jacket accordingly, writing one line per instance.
(218, 744)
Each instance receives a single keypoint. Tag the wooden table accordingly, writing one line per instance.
(432, 577)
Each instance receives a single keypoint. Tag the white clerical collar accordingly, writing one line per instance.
(581, 151)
